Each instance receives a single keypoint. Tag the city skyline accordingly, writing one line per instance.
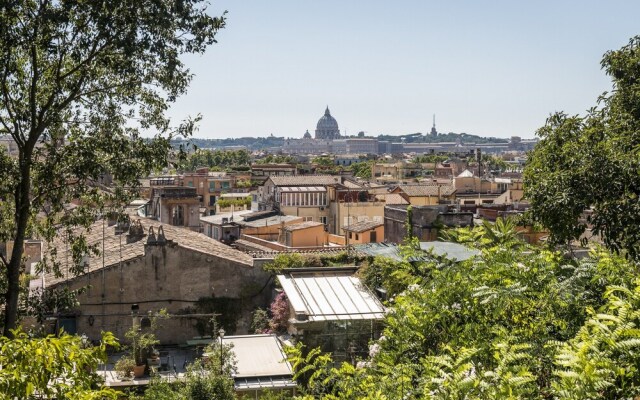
(494, 69)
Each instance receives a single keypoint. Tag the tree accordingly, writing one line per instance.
(81, 83)
(218, 159)
(362, 169)
(515, 322)
(52, 367)
(592, 162)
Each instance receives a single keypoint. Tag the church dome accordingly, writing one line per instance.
(307, 135)
(327, 127)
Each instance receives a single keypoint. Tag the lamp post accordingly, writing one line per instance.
(221, 335)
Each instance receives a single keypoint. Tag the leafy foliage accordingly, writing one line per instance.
(279, 314)
(430, 158)
(199, 383)
(516, 322)
(260, 321)
(493, 163)
(215, 159)
(224, 203)
(591, 162)
(362, 169)
(295, 260)
(82, 84)
(277, 159)
(52, 367)
(602, 360)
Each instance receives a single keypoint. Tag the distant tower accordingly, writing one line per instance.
(434, 132)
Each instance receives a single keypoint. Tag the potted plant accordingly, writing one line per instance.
(141, 347)
(142, 341)
(124, 367)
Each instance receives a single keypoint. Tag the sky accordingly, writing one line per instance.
(490, 68)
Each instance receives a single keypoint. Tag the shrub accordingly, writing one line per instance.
(279, 313)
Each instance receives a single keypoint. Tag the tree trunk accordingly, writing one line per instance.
(22, 200)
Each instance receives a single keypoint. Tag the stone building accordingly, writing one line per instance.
(175, 205)
(158, 267)
(364, 232)
(425, 221)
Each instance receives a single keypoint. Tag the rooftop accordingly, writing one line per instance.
(351, 184)
(389, 250)
(466, 174)
(305, 180)
(217, 218)
(317, 295)
(449, 250)
(362, 226)
(268, 221)
(302, 225)
(116, 248)
(392, 198)
(430, 189)
(258, 356)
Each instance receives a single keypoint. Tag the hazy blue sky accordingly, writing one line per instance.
(493, 68)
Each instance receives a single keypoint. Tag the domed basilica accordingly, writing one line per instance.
(327, 127)
(327, 138)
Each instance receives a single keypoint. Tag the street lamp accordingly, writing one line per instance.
(221, 335)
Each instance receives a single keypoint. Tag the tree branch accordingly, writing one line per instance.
(34, 71)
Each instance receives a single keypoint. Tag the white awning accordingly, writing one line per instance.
(301, 189)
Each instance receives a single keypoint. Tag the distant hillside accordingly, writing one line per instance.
(442, 137)
(258, 143)
(250, 143)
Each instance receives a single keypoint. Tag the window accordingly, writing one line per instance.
(357, 236)
(177, 215)
(323, 220)
(305, 219)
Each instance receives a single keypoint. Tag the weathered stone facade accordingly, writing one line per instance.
(171, 274)
(425, 221)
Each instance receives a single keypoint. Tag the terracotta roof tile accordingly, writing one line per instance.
(116, 248)
(432, 189)
(362, 226)
(302, 225)
(392, 198)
